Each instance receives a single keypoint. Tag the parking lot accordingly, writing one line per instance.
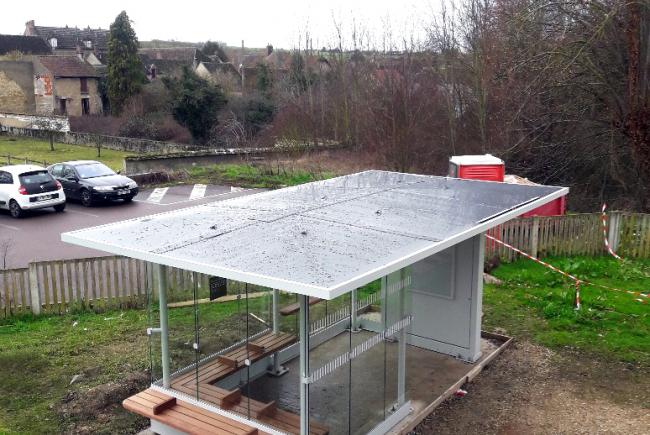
(37, 236)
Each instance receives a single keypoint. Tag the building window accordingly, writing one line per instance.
(63, 106)
(53, 42)
(88, 44)
(84, 85)
(85, 106)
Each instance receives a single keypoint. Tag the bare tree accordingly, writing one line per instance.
(5, 248)
(51, 125)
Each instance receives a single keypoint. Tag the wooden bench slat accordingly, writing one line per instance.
(295, 307)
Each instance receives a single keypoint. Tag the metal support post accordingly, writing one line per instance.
(354, 327)
(161, 276)
(401, 351)
(276, 311)
(304, 364)
(277, 369)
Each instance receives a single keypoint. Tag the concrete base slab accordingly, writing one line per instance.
(354, 399)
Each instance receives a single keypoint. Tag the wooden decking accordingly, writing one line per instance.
(184, 416)
(232, 400)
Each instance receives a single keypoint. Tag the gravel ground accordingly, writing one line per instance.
(530, 389)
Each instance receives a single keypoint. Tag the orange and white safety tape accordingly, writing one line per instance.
(640, 297)
(604, 220)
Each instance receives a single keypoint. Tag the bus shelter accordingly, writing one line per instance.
(296, 307)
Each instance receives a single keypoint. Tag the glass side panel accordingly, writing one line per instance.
(181, 309)
(329, 393)
(221, 326)
(153, 321)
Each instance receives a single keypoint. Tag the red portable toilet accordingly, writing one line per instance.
(490, 168)
(480, 167)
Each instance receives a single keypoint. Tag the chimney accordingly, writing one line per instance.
(269, 49)
(30, 29)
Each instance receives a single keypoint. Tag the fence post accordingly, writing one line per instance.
(34, 291)
(534, 241)
(613, 227)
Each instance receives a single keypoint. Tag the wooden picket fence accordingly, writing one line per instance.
(97, 283)
(576, 234)
(106, 282)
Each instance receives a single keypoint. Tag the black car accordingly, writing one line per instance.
(90, 181)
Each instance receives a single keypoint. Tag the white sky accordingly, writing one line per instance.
(281, 22)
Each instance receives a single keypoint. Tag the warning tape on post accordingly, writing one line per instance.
(640, 297)
(604, 220)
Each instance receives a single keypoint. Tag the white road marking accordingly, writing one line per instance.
(198, 191)
(81, 212)
(190, 200)
(10, 227)
(157, 195)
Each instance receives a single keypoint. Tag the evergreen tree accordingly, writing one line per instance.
(125, 71)
(264, 84)
(195, 103)
(214, 48)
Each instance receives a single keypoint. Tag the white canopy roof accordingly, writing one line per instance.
(323, 238)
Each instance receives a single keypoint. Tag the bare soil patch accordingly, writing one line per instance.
(99, 409)
(530, 389)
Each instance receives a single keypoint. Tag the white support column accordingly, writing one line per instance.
(276, 311)
(304, 364)
(354, 323)
(476, 307)
(401, 351)
(161, 278)
(277, 369)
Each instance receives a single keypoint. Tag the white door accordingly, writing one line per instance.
(445, 301)
(6, 185)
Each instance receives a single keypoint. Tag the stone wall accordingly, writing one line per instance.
(175, 162)
(21, 125)
(16, 87)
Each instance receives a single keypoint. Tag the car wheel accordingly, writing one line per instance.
(59, 208)
(128, 199)
(15, 209)
(86, 198)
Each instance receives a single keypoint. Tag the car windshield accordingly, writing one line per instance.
(35, 177)
(94, 170)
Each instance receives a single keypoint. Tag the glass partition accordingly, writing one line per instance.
(235, 346)
(153, 323)
(329, 366)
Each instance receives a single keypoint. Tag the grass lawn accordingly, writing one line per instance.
(256, 176)
(39, 150)
(537, 303)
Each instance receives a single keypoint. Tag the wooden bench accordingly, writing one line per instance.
(294, 308)
(232, 400)
(184, 416)
(270, 414)
(228, 363)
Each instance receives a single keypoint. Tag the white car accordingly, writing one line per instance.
(29, 187)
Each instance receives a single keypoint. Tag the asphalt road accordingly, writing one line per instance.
(37, 236)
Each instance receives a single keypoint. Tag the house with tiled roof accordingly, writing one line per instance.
(27, 45)
(66, 85)
(223, 74)
(72, 40)
(160, 62)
